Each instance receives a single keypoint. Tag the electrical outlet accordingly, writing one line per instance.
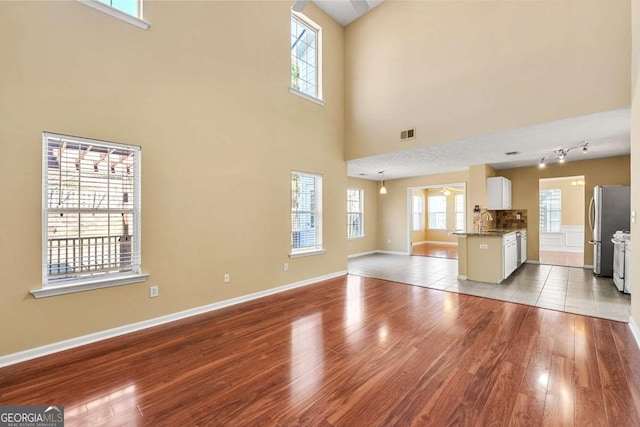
(388, 240)
(483, 246)
(286, 266)
(153, 291)
(227, 278)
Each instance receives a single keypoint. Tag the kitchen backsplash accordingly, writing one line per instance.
(514, 218)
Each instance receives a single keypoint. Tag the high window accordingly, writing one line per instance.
(355, 213)
(306, 212)
(550, 210)
(459, 205)
(305, 46)
(131, 7)
(129, 11)
(91, 210)
(437, 212)
(418, 212)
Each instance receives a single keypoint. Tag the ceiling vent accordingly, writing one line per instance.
(407, 134)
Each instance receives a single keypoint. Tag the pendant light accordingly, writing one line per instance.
(383, 189)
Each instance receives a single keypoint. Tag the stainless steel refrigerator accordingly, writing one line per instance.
(609, 212)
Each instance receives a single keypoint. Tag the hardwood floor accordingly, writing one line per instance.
(437, 250)
(348, 352)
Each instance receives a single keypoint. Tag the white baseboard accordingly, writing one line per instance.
(361, 254)
(462, 277)
(634, 330)
(434, 242)
(531, 261)
(587, 267)
(11, 359)
(393, 252)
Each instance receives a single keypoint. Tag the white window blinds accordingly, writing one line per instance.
(306, 212)
(91, 209)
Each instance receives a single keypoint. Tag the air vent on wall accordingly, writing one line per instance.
(408, 134)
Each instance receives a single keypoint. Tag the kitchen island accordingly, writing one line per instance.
(492, 255)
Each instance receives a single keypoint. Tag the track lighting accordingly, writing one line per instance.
(561, 153)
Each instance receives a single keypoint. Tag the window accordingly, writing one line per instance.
(355, 213)
(91, 211)
(437, 212)
(131, 7)
(305, 56)
(459, 203)
(129, 11)
(417, 208)
(550, 210)
(306, 212)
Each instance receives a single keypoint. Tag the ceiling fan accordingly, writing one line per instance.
(447, 190)
(360, 6)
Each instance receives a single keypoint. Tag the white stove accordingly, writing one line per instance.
(620, 240)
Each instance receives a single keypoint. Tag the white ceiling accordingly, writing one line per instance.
(345, 11)
(608, 134)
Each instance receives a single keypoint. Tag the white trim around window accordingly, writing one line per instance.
(116, 13)
(91, 214)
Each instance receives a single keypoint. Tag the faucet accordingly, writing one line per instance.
(489, 217)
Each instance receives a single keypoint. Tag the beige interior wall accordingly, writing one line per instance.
(572, 199)
(369, 242)
(420, 235)
(392, 208)
(525, 195)
(454, 69)
(635, 155)
(477, 190)
(205, 93)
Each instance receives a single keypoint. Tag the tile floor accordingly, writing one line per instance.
(570, 289)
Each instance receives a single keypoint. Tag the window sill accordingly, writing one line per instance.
(356, 237)
(305, 96)
(88, 285)
(307, 253)
(105, 8)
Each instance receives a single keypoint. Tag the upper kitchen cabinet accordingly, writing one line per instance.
(498, 193)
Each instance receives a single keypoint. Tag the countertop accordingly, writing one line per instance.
(491, 232)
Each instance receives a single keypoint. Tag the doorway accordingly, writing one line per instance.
(435, 212)
(562, 221)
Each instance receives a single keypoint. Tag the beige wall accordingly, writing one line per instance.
(454, 69)
(205, 93)
(420, 235)
(525, 186)
(392, 208)
(572, 199)
(369, 242)
(635, 155)
(477, 191)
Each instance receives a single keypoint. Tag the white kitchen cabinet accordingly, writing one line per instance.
(509, 254)
(498, 193)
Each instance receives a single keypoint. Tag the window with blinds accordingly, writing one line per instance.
(355, 213)
(437, 212)
(550, 210)
(306, 212)
(417, 212)
(91, 210)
